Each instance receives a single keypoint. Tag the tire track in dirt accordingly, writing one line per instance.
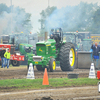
(22, 73)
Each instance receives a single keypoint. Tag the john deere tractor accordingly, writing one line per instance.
(53, 50)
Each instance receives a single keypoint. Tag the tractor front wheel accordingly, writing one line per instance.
(39, 68)
(15, 63)
(52, 65)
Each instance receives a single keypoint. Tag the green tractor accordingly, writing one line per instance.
(26, 50)
(54, 50)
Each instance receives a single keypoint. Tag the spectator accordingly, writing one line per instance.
(7, 56)
(96, 50)
(2, 56)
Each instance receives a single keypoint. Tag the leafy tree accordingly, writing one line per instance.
(71, 18)
(3, 8)
(21, 20)
(96, 22)
(44, 16)
(15, 19)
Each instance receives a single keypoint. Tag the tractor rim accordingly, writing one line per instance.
(72, 57)
(54, 65)
(14, 62)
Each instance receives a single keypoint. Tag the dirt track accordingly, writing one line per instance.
(21, 72)
(73, 93)
(77, 93)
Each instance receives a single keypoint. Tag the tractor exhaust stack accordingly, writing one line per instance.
(46, 34)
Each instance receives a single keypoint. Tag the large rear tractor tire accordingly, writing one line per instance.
(15, 63)
(52, 65)
(67, 57)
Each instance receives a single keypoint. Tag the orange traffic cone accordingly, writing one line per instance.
(45, 78)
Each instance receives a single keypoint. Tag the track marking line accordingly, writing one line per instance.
(42, 90)
(90, 97)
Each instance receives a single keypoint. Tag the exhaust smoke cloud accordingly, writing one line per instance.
(72, 18)
(15, 21)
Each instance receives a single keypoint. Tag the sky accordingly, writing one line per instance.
(36, 6)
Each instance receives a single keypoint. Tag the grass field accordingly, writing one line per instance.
(23, 84)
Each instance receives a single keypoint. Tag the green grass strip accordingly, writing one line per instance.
(54, 82)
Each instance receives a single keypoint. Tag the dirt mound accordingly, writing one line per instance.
(46, 98)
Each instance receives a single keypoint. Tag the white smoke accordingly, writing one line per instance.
(5, 19)
(16, 21)
(72, 18)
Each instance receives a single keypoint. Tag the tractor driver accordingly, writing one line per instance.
(52, 34)
(56, 37)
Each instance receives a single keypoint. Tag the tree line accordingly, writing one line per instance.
(82, 17)
(14, 20)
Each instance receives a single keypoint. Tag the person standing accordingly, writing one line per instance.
(7, 56)
(2, 56)
(96, 50)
